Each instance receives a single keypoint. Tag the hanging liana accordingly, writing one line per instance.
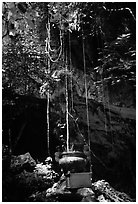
(86, 94)
(48, 48)
(67, 105)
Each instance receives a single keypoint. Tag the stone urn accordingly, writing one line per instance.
(73, 161)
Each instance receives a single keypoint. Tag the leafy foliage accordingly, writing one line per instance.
(118, 61)
(25, 67)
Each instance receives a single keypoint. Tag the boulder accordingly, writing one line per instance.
(87, 194)
(105, 193)
(22, 162)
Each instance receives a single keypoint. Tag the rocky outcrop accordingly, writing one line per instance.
(22, 162)
(43, 184)
(23, 177)
(100, 191)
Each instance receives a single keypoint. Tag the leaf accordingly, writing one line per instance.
(22, 27)
(30, 23)
(28, 16)
(11, 5)
(9, 15)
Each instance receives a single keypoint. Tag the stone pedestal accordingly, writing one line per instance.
(79, 180)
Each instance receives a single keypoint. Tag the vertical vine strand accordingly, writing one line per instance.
(67, 105)
(103, 98)
(72, 106)
(110, 120)
(86, 97)
(48, 100)
(104, 101)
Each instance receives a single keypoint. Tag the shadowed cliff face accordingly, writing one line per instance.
(112, 134)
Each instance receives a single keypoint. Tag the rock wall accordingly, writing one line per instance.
(112, 134)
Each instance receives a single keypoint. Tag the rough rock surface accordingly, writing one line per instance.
(20, 162)
(24, 177)
(104, 192)
(43, 184)
(100, 191)
(112, 133)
